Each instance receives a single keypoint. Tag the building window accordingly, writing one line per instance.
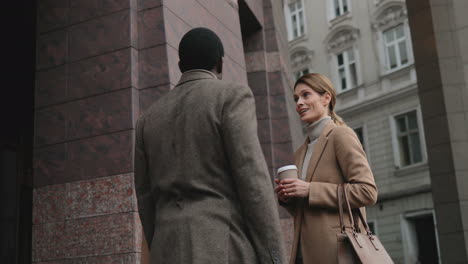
(408, 139)
(347, 70)
(419, 235)
(340, 7)
(396, 47)
(372, 226)
(360, 134)
(297, 23)
(302, 72)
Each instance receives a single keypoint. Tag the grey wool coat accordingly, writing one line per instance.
(203, 188)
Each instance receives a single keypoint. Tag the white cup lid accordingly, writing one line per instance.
(285, 168)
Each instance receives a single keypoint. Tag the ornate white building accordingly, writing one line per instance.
(365, 48)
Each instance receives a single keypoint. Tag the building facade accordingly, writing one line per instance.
(365, 48)
(80, 72)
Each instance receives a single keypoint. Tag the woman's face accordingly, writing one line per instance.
(310, 105)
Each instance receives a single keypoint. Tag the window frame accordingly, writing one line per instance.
(332, 9)
(289, 19)
(395, 142)
(299, 73)
(405, 227)
(382, 48)
(347, 69)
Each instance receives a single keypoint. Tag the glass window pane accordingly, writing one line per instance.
(415, 147)
(400, 32)
(350, 53)
(401, 124)
(292, 7)
(404, 151)
(342, 74)
(337, 8)
(340, 59)
(372, 227)
(388, 36)
(345, 6)
(353, 74)
(412, 120)
(360, 135)
(392, 57)
(403, 53)
(301, 23)
(294, 25)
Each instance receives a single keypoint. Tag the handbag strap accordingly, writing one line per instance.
(343, 200)
(358, 212)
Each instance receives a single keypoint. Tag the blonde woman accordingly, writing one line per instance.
(331, 155)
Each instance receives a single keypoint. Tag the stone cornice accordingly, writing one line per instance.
(389, 16)
(370, 104)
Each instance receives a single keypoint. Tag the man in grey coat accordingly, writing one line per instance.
(203, 187)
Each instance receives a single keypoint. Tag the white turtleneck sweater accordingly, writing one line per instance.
(313, 132)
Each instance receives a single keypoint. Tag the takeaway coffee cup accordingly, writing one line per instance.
(287, 172)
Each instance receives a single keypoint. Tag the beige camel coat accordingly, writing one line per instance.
(202, 183)
(338, 157)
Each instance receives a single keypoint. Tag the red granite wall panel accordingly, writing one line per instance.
(264, 131)
(175, 28)
(233, 72)
(51, 86)
(101, 196)
(256, 6)
(262, 103)
(49, 204)
(50, 125)
(50, 164)
(278, 106)
(100, 35)
(224, 12)
(100, 114)
(52, 14)
(153, 67)
(151, 25)
(52, 49)
(109, 195)
(283, 154)
(130, 258)
(254, 42)
(280, 130)
(100, 156)
(84, 118)
(271, 40)
(258, 82)
(145, 4)
(83, 237)
(150, 95)
(84, 159)
(275, 80)
(101, 74)
(82, 10)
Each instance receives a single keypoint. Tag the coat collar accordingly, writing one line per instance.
(197, 74)
(317, 154)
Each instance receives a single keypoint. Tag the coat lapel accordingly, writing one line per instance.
(299, 157)
(318, 150)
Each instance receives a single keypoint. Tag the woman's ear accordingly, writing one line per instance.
(326, 98)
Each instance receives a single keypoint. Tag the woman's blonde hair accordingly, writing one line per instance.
(321, 84)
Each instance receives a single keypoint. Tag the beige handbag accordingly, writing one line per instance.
(353, 246)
